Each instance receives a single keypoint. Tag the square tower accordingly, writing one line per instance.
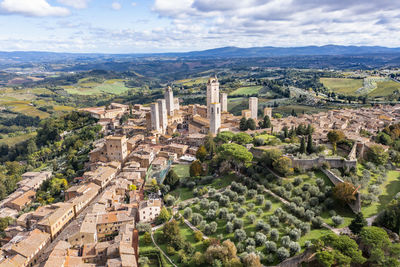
(212, 93)
(268, 112)
(162, 110)
(223, 98)
(116, 148)
(253, 106)
(215, 117)
(155, 117)
(169, 100)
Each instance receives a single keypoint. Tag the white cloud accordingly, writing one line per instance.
(134, 4)
(35, 8)
(78, 4)
(116, 6)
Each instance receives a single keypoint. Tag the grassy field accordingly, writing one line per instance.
(248, 90)
(191, 82)
(25, 108)
(342, 85)
(385, 88)
(298, 109)
(84, 87)
(182, 170)
(389, 189)
(16, 139)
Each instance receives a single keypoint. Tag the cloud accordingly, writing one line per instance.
(134, 4)
(116, 6)
(78, 4)
(34, 8)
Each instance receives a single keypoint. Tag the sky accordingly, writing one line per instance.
(144, 26)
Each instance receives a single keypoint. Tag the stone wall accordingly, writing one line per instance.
(356, 206)
(296, 261)
(319, 162)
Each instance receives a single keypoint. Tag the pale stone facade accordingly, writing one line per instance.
(223, 98)
(162, 110)
(212, 93)
(268, 112)
(169, 100)
(116, 148)
(155, 117)
(253, 107)
(215, 117)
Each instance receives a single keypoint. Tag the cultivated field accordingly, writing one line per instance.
(342, 85)
(385, 88)
(248, 90)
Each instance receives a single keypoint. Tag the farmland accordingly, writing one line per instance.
(385, 88)
(247, 90)
(344, 86)
(95, 88)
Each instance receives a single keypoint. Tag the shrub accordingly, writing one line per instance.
(196, 219)
(223, 213)
(229, 227)
(187, 213)
(274, 220)
(294, 247)
(198, 235)
(304, 228)
(170, 250)
(317, 222)
(270, 247)
(282, 254)
(259, 199)
(252, 218)
(240, 235)
(274, 234)
(285, 241)
(294, 234)
(251, 206)
(230, 217)
(320, 182)
(241, 212)
(211, 192)
(143, 227)
(337, 220)
(268, 205)
(241, 199)
(297, 181)
(237, 224)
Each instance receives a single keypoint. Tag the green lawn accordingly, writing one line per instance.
(182, 170)
(248, 90)
(389, 189)
(344, 86)
(385, 88)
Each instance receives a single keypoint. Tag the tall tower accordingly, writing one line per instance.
(215, 117)
(169, 100)
(212, 93)
(162, 110)
(155, 117)
(253, 106)
(223, 98)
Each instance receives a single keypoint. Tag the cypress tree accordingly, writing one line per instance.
(303, 145)
(310, 146)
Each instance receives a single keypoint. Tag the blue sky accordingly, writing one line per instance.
(137, 26)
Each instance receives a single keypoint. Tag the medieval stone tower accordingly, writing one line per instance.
(215, 117)
(212, 93)
(253, 107)
(162, 110)
(169, 100)
(155, 117)
(223, 98)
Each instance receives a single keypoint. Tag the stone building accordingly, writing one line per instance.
(253, 107)
(162, 110)
(223, 98)
(169, 101)
(268, 112)
(116, 148)
(215, 117)
(155, 117)
(212, 93)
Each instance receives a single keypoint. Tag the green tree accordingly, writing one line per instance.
(243, 124)
(357, 223)
(283, 165)
(270, 156)
(195, 169)
(310, 145)
(147, 238)
(267, 122)
(344, 192)
(377, 154)
(325, 258)
(236, 154)
(242, 138)
(172, 179)
(164, 215)
(334, 137)
(171, 233)
(210, 145)
(302, 149)
(201, 153)
(389, 218)
(224, 137)
(250, 124)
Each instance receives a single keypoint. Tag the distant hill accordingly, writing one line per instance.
(223, 52)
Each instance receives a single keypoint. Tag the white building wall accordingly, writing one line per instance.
(253, 107)
(212, 93)
(155, 117)
(223, 98)
(215, 117)
(169, 100)
(162, 110)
